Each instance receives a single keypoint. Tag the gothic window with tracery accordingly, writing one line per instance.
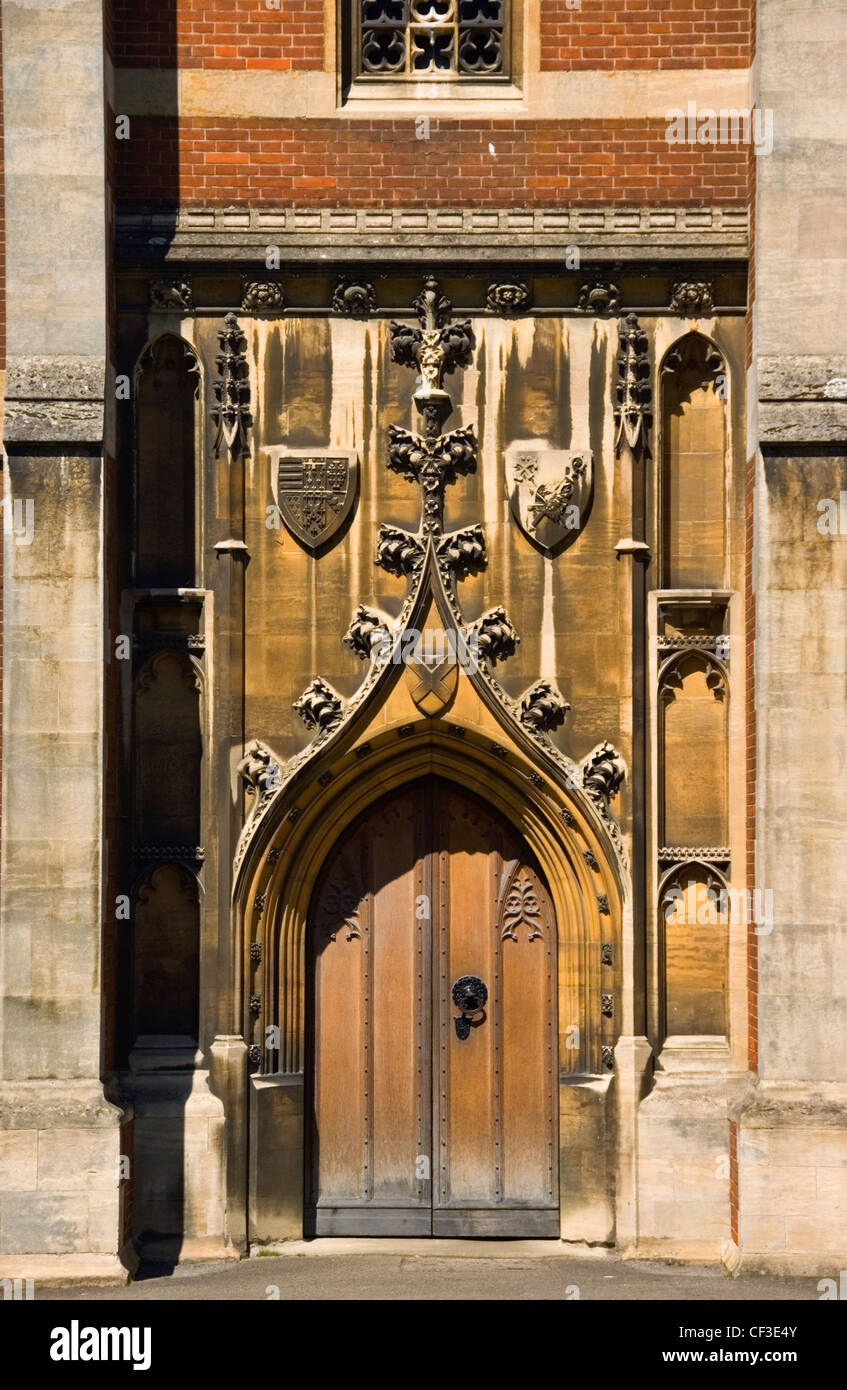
(432, 38)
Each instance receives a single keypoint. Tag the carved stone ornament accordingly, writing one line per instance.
(256, 952)
(543, 708)
(508, 298)
(320, 707)
(606, 957)
(315, 492)
(693, 298)
(432, 562)
(680, 854)
(633, 392)
(495, 637)
(603, 772)
(171, 296)
(368, 631)
(259, 770)
(607, 1005)
(599, 296)
(671, 676)
(231, 410)
(356, 298)
(549, 494)
(672, 888)
(261, 296)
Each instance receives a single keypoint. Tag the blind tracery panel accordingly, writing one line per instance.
(432, 38)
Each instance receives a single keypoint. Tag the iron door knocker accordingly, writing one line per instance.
(469, 994)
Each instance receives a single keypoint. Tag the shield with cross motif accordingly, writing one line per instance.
(314, 491)
(549, 493)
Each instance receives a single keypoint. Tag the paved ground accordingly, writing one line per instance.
(475, 1270)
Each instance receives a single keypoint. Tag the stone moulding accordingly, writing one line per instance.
(619, 234)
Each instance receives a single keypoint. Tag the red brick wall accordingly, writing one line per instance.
(600, 34)
(646, 34)
(219, 162)
(219, 34)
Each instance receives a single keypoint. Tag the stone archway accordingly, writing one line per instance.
(587, 897)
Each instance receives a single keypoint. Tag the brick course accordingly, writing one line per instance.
(600, 34)
(645, 34)
(212, 161)
(220, 34)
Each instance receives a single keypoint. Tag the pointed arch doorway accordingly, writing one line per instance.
(412, 1129)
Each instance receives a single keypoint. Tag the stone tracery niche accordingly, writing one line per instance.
(692, 500)
(167, 387)
(694, 811)
(166, 821)
(693, 742)
(165, 953)
(167, 749)
(696, 915)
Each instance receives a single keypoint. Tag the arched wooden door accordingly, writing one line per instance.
(414, 1130)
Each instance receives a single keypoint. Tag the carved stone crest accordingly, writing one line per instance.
(315, 492)
(549, 494)
(432, 675)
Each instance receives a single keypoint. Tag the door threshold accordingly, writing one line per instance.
(432, 1247)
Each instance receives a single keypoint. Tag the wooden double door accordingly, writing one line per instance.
(415, 1130)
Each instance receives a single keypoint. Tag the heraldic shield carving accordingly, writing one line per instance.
(549, 493)
(315, 491)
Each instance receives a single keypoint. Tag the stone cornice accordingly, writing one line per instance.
(623, 234)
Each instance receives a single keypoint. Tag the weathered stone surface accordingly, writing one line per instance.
(800, 422)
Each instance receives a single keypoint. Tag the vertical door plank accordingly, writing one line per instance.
(468, 1114)
(528, 1031)
(397, 1002)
